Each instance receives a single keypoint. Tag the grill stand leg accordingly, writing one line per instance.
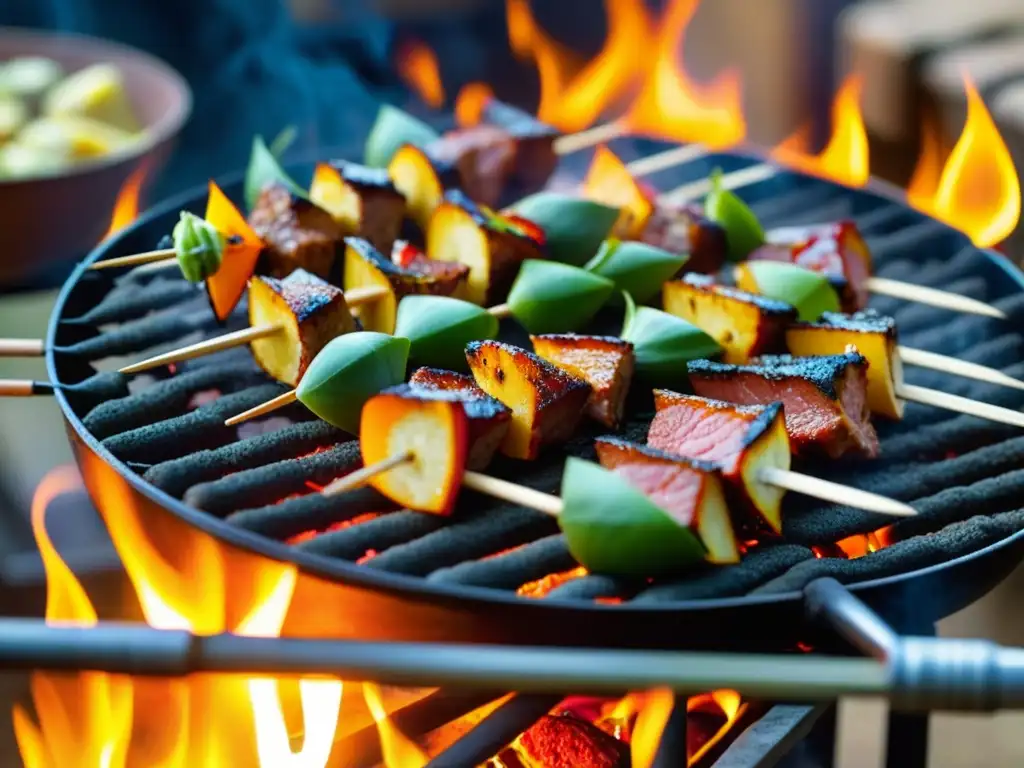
(672, 747)
(907, 736)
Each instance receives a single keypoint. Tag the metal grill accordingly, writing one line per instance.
(963, 474)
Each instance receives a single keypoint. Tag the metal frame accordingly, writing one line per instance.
(472, 613)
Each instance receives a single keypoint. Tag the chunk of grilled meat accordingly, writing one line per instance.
(492, 246)
(366, 267)
(422, 180)
(298, 233)
(745, 324)
(535, 158)
(824, 398)
(687, 489)
(547, 403)
(448, 277)
(873, 335)
(364, 201)
(310, 313)
(740, 440)
(565, 741)
(488, 418)
(484, 155)
(836, 249)
(683, 228)
(606, 363)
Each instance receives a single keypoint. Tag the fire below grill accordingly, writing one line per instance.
(961, 473)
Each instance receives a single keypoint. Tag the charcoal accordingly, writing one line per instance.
(177, 476)
(98, 388)
(130, 302)
(379, 534)
(273, 482)
(313, 512)
(591, 587)
(506, 571)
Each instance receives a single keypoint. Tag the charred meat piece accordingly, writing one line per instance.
(745, 324)
(309, 311)
(683, 228)
(689, 490)
(422, 180)
(484, 156)
(824, 398)
(738, 439)
(298, 233)
(364, 201)
(872, 335)
(491, 245)
(605, 362)
(836, 249)
(535, 158)
(447, 276)
(366, 267)
(564, 741)
(488, 418)
(546, 402)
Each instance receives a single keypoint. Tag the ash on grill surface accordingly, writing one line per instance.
(961, 473)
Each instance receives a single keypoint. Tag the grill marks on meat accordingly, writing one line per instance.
(297, 233)
(824, 398)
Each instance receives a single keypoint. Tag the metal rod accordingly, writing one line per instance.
(829, 601)
(140, 650)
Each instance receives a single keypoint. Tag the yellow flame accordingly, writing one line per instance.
(398, 750)
(978, 191)
(417, 66)
(650, 723)
(470, 103)
(126, 207)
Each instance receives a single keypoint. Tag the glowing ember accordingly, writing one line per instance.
(609, 181)
(845, 157)
(544, 585)
(470, 103)
(126, 207)
(417, 66)
(978, 191)
(672, 106)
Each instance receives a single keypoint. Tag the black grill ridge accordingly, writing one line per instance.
(953, 468)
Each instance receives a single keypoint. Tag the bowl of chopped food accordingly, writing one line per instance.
(78, 117)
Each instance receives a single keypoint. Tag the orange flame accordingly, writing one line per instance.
(650, 723)
(96, 720)
(671, 105)
(609, 181)
(397, 749)
(417, 66)
(978, 191)
(470, 103)
(731, 705)
(845, 158)
(126, 207)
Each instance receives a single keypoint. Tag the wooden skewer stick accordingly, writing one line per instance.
(24, 388)
(164, 254)
(932, 296)
(501, 311)
(263, 408)
(517, 494)
(834, 492)
(926, 396)
(361, 477)
(356, 297)
(590, 137)
(924, 359)
(201, 348)
(670, 158)
(22, 347)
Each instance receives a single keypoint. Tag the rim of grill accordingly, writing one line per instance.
(876, 197)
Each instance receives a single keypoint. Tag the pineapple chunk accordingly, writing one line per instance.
(298, 233)
(746, 325)
(491, 246)
(422, 181)
(310, 313)
(873, 335)
(546, 402)
(366, 267)
(740, 440)
(488, 419)
(605, 362)
(363, 201)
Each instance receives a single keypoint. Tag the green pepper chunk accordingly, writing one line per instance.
(810, 292)
(349, 371)
(614, 529)
(439, 328)
(198, 247)
(664, 344)
(548, 297)
(573, 226)
(637, 268)
(391, 130)
(743, 232)
(264, 169)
